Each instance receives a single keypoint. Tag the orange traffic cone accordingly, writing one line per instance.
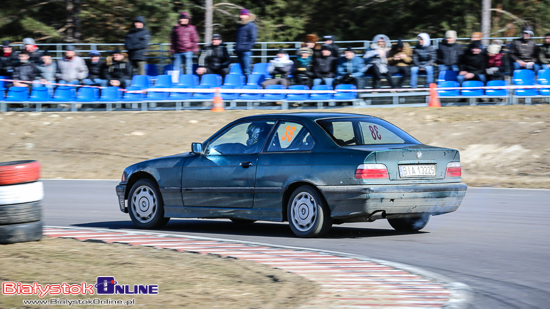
(434, 98)
(217, 103)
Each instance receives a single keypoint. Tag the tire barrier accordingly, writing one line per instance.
(20, 202)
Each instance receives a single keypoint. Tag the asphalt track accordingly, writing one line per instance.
(497, 242)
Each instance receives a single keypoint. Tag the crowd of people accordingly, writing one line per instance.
(316, 62)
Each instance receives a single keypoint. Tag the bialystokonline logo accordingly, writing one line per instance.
(104, 286)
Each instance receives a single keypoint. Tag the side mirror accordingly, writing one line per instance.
(196, 148)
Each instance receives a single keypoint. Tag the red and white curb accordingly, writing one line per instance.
(347, 281)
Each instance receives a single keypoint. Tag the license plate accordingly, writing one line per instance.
(417, 170)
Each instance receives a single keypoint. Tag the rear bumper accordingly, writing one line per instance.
(121, 193)
(395, 200)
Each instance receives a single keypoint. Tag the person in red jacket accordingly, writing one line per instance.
(185, 42)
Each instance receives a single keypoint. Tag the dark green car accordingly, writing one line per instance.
(310, 169)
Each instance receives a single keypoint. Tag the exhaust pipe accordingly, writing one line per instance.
(379, 214)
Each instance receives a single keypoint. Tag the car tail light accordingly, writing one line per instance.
(371, 171)
(453, 170)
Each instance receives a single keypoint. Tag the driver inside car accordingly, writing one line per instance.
(257, 132)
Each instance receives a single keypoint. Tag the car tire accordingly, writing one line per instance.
(17, 172)
(20, 213)
(307, 213)
(145, 205)
(242, 221)
(409, 224)
(15, 233)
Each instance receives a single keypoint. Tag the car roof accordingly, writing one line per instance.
(307, 115)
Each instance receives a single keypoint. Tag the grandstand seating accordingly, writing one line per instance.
(133, 97)
(321, 96)
(151, 69)
(233, 79)
(449, 75)
(274, 96)
(298, 96)
(448, 93)
(229, 96)
(255, 79)
(64, 94)
(235, 68)
(163, 81)
(250, 96)
(472, 92)
(496, 92)
(17, 94)
(261, 68)
(87, 94)
(157, 95)
(179, 95)
(203, 95)
(524, 78)
(142, 81)
(40, 94)
(345, 96)
(544, 79)
(110, 94)
(211, 80)
(188, 80)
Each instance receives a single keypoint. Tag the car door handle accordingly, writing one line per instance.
(246, 164)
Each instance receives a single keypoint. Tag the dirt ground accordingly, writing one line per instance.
(185, 279)
(501, 146)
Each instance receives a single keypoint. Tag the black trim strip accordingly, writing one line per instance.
(268, 190)
(170, 190)
(220, 190)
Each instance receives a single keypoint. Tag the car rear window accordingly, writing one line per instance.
(365, 131)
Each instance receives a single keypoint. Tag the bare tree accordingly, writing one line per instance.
(486, 21)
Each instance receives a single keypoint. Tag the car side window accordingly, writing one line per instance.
(291, 136)
(248, 137)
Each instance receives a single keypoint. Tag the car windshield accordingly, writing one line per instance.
(365, 131)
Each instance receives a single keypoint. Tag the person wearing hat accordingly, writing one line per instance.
(279, 68)
(7, 59)
(495, 62)
(214, 58)
(544, 52)
(245, 40)
(376, 60)
(96, 70)
(137, 42)
(334, 49)
(324, 67)
(35, 54)
(184, 40)
(399, 60)
(118, 71)
(449, 52)
(350, 68)
(46, 71)
(424, 57)
(524, 51)
(303, 67)
(473, 63)
(71, 68)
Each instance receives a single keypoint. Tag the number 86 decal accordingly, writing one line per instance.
(288, 133)
(374, 133)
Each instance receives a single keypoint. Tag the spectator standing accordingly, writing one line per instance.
(34, 53)
(350, 68)
(324, 67)
(376, 60)
(72, 68)
(96, 70)
(334, 49)
(279, 68)
(24, 70)
(46, 71)
(424, 56)
(303, 67)
(473, 63)
(524, 51)
(185, 42)
(7, 59)
(495, 68)
(311, 42)
(136, 42)
(118, 71)
(215, 58)
(246, 38)
(399, 59)
(544, 52)
(449, 52)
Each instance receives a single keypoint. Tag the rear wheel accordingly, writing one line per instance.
(307, 213)
(409, 224)
(145, 205)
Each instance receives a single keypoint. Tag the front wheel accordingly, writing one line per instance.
(145, 205)
(308, 215)
(409, 224)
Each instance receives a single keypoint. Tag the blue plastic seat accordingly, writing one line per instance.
(17, 94)
(141, 81)
(233, 79)
(544, 79)
(298, 96)
(151, 69)
(157, 95)
(255, 79)
(235, 68)
(347, 95)
(168, 67)
(64, 94)
(180, 95)
(111, 94)
(203, 95)
(261, 68)
(188, 80)
(133, 97)
(87, 94)
(274, 96)
(229, 96)
(472, 92)
(40, 94)
(527, 78)
(163, 81)
(496, 92)
(211, 80)
(321, 96)
(448, 75)
(448, 93)
(250, 96)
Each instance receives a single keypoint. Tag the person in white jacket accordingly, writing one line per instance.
(71, 68)
(279, 68)
(376, 60)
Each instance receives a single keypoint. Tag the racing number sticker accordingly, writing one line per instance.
(374, 132)
(289, 132)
